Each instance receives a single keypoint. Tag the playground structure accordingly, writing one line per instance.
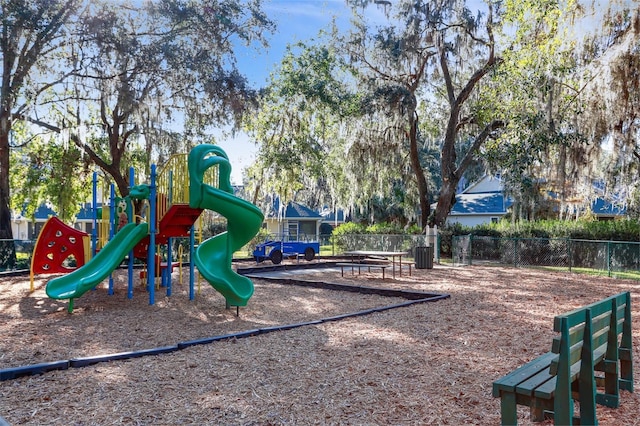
(59, 245)
(175, 198)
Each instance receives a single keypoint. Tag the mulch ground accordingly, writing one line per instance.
(428, 363)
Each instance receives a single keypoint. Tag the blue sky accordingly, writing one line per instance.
(297, 20)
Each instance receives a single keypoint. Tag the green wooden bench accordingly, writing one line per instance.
(590, 361)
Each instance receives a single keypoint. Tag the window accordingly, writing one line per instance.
(308, 230)
(293, 231)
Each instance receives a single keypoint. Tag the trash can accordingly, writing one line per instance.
(424, 257)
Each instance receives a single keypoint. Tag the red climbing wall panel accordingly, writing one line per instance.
(56, 243)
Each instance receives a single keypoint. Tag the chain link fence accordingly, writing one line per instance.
(612, 258)
(330, 245)
(615, 258)
(383, 242)
(15, 254)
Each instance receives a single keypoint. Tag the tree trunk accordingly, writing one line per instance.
(445, 201)
(7, 248)
(450, 178)
(423, 188)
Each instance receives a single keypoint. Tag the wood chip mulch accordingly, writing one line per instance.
(428, 363)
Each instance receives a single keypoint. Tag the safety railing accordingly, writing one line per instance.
(172, 183)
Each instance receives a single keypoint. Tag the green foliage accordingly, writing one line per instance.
(616, 230)
(214, 229)
(47, 172)
(448, 232)
(414, 229)
(147, 66)
(297, 128)
(612, 230)
(262, 235)
(380, 236)
(350, 228)
(382, 228)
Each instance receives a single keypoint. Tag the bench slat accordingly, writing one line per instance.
(600, 342)
(362, 265)
(374, 262)
(529, 387)
(576, 316)
(353, 265)
(510, 381)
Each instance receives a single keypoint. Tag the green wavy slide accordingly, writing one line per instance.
(78, 282)
(213, 256)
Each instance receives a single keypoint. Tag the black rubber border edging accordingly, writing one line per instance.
(412, 299)
(90, 360)
(31, 370)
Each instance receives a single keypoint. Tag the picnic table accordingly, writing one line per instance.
(358, 258)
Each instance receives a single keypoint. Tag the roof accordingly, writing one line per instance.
(481, 203)
(85, 213)
(329, 215)
(293, 211)
(44, 211)
(486, 184)
(601, 207)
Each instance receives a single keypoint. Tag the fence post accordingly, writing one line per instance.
(431, 240)
(436, 244)
(515, 252)
(427, 233)
(609, 259)
(569, 252)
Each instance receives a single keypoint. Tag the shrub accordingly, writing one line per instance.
(349, 228)
(384, 228)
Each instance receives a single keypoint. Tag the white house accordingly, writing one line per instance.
(294, 222)
(481, 202)
(27, 229)
(484, 202)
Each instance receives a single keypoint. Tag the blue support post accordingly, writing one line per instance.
(94, 201)
(192, 243)
(151, 252)
(131, 218)
(112, 231)
(168, 268)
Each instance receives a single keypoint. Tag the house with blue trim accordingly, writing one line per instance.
(479, 203)
(293, 222)
(605, 210)
(485, 202)
(24, 228)
(331, 218)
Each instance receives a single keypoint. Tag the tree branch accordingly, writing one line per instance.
(477, 143)
(22, 117)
